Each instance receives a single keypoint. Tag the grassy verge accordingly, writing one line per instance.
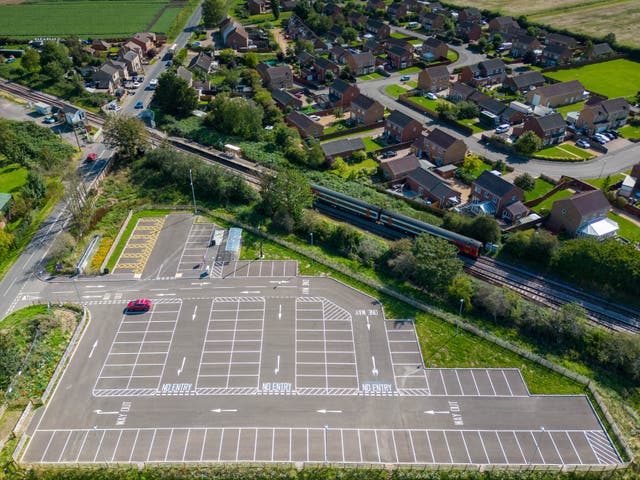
(630, 131)
(371, 76)
(474, 124)
(395, 90)
(408, 70)
(452, 55)
(127, 233)
(182, 18)
(564, 152)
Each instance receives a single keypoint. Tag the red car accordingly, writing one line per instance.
(140, 305)
(92, 157)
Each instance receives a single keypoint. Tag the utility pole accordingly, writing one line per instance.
(193, 193)
(459, 316)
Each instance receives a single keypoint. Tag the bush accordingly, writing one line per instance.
(525, 181)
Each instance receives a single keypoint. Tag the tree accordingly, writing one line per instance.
(10, 359)
(315, 155)
(338, 112)
(485, 229)
(251, 59)
(175, 96)
(227, 56)
(35, 188)
(437, 263)
(400, 259)
(497, 40)
(349, 34)
(7, 242)
(285, 195)
(126, 134)
(62, 245)
(275, 8)
(525, 181)
(236, 116)
(588, 48)
(461, 288)
(30, 60)
(610, 38)
(528, 143)
(467, 110)
(55, 52)
(471, 164)
(303, 45)
(53, 70)
(213, 12)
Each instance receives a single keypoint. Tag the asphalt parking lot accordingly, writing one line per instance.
(274, 367)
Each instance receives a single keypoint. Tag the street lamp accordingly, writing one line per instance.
(193, 194)
(311, 238)
(459, 315)
(326, 429)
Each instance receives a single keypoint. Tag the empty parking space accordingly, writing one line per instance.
(194, 253)
(139, 246)
(259, 268)
(334, 445)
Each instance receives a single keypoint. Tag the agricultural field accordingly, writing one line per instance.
(164, 23)
(592, 17)
(99, 18)
(617, 78)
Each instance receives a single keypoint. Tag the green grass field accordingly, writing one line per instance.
(408, 70)
(546, 205)
(599, 182)
(12, 177)
(395, 90)
(371, 76)
(97, 18)
(542, 187)
(574, 107)
(565, 151)
(474, 124)
(617, 78)
(628, 229)
(164, 23)
(630, 131)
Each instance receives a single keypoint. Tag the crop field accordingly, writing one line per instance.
(617, 78)
(164, 23)
(592, 17)
(97, 18)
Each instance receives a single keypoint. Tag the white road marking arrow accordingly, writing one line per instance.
(93, 347)
(280, 312)
(368, 324)
(277, 365)
(91, 296)
(193, 317)
(325, 411)
(165, 294)
(94, 286)
(100, 412)
(250, 291)
(181, 366)
(374, 370)
(223, 410)
(433, 412)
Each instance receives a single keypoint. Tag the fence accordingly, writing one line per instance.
(348, 131)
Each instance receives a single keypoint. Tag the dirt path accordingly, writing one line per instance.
(280, 40)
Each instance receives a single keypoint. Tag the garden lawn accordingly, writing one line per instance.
(616, 78)
(336, 127)
(452, 55)
(474, 124)
(408, 70)
(573, 107)
(546, 205)
(398, 35)
(542, 187)
(395, 90)
(628, 229)
(371, 145)
(12, 177)
(630, 131)
(412, 83)
(368, 165)
(96, 18)
(599, 182)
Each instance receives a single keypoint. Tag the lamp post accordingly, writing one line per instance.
(326, 429)
(459, 316)
(193, 194)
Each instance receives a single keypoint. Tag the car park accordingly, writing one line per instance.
(503, 128)
(139, 105)
(583, 143)
(432, 96)
(139, 305)
(404, 78)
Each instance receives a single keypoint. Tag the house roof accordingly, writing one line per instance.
(305, 57)
(278, 71)
(556, 49)
(492, 64)
(432, 42)
(398, 118)
(184, 74)
(282, 96)
(130, 55)
(587, 203)
(522, 38)
(561, 88)
(363, 102)
(375, 24)
(462, 89)
(324, 63)
(615, 105)
(101, 43)
(526, 79)
(398, 50)
(340, 85)
(551, 122)
(437, 72)
(402, 164)
(495, 184)
(109, 69)
(301, 121)
(601, 49)
(517, 208)
(485, 102)
(441, 138)
(432, 183)
(203, 60)
(362, 59)
(342, 146)
(559, 38)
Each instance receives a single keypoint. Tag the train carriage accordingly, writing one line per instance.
(346, 203)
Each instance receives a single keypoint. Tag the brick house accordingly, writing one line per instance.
(321, 66)
(306, 126)
(132, 61)
(487, 72)
(492, 193)
(555, 55)
(397, 168)
(583, 215)
(551, 129)
(280, 76)
(432, 187)
(361, 63)
(233, 34)
(110, 76)
(469, 31)
(285, 100)
(378, 29)
(523, 82)
(522, 44)
(342, 93)
(503, 25)
(145, 40)
(433, 49)
(470, 14)
(433, 79)
(366, 110)
(562, 40)
(345, 147)
(397, 10)
(460, 92)
(258, 7)
(338, 54)
(604, 115)
(399, 57)
(557, 94)
(432, 22)
(440, 147)
(100, 46)
(400, 127)
(204, 62)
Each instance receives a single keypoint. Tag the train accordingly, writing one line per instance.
(410, 226)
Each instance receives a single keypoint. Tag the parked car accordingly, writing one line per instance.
(614, 133)
(49, 120)
(432, 96)
(404, 78)
(599, 140)
(583, 143)
(601, 137)
(92, 157)
(503, 128)
(169, 63)
(389, 154)
(139, 105)
(136, 85)
(607, 135)
(140, 305)
(315, 118)
(140, 79)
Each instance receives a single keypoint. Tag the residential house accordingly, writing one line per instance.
(342, 93)
(635, 173)
(145, 40)
(366, 110)
(233, 34)
(288, 5)
(487, 72)
(440, 147)
(433, 188)
(338, 54)
(434, 49)
(399, 127)
(306, 126)
(399, 167)
(627, 186)
(344, 148)
(399, 57)
(432, 22)
(397, 10)
(399, 42)
(132, 61)
(555, 54)
(557, 94)
(378, 29)
(559, 39)
(285, 99)
(433, 79)
(487, 103)
(357, 19)
(524, 82)
(108, 77)
(600, 50)
(522, 44)
(335, 33)
(204, 62)
(503, 25)
(361, 63)
(305, 59)
(550, 128)
(515, 211)
(185, 74)
(100, 46)
(280, 76)
(492, 194)
(469, 31)
(131, 46)
(373, 5)
(583, 215)
(604, 115)
(258, 7)
(74, 116)
(470, 14)
(322, 66)
(460, 92)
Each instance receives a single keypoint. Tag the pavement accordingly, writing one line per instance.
(271, 366)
